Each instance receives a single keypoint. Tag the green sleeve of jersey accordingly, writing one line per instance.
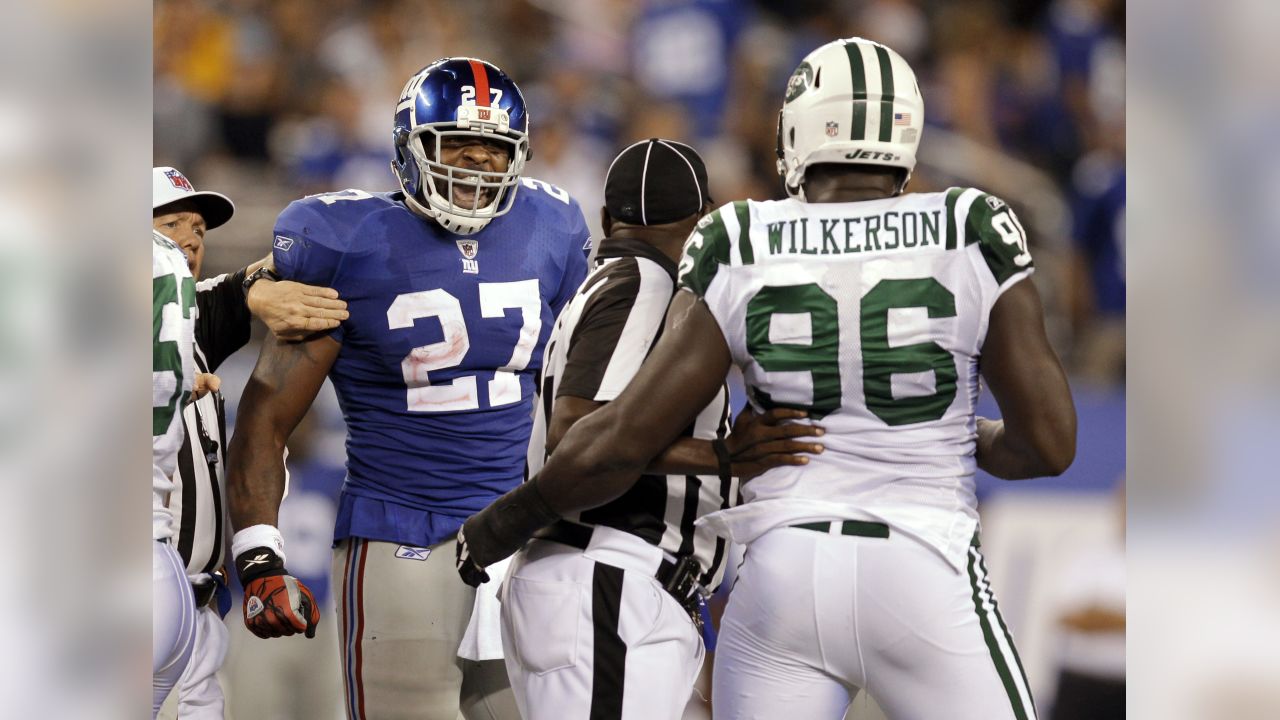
(993, 225)
(704, 252)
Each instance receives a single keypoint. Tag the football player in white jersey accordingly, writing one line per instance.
(173, 319)
(876, 312)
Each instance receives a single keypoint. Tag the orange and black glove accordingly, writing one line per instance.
(275, 602)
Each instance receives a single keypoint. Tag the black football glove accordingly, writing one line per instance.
(499, 530)
(472, 572)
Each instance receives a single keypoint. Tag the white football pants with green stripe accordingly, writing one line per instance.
(817, 616)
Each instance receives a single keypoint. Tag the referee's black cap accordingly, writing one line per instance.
(654, 182)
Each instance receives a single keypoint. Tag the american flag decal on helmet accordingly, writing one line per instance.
(179, 180)
(902, 118)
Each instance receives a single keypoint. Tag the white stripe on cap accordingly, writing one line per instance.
(644, 173)
(619, 155)
(692, 172)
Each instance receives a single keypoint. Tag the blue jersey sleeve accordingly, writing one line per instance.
(575, 270)
(308, 249)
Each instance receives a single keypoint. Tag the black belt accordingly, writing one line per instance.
(207, 589)
(204, 592)
(860, 528)
(679, 578)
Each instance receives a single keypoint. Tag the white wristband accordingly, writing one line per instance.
(267, 536)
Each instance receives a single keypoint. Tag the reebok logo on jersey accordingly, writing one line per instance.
(412, 553)
(283, 243)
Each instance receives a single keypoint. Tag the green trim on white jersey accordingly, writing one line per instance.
(870, 316)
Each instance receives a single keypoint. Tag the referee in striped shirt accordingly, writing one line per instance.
(630, 576)
(225, 305)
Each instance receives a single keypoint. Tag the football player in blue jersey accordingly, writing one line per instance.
(452, 286)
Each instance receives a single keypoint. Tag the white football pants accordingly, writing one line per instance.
(173, 621)
(586, 640)
(814, 617)
(199, 693)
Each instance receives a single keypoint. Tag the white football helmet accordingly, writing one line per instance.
(851, 101)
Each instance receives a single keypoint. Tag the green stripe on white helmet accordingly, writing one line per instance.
(851, 101)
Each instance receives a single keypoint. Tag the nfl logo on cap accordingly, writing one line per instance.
(179, 180)
(833, 129)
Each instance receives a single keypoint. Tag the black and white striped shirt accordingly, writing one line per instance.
(599, 342)
(197, 500)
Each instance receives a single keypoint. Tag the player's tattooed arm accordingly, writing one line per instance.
(1036, 435)
(283, 385)
(292, 310)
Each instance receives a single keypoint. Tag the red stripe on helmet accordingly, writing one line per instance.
(482, 82)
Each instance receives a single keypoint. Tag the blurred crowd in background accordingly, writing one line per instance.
(269, 100)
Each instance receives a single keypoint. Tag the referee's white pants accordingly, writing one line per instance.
(585, 640)
(815, 617)
(173, 621)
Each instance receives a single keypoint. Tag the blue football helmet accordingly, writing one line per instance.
(459, 97)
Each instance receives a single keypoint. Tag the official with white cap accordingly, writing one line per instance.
(225, 305)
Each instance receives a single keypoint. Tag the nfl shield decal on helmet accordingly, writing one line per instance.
(833, 128)
(469, 250)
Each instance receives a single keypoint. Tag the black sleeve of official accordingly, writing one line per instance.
(224, 323)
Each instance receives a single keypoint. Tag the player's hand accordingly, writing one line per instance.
(275, 602)
(472, 572)
(760, 442)
(292, 311)
(204, 384)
